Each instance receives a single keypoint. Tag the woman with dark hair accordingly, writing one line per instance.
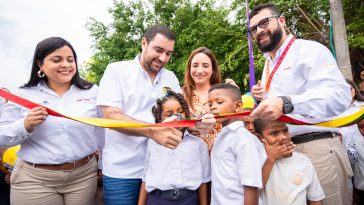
(357, 98)
(43, 49)
(202, 72)
(359, 76)
(56, 163)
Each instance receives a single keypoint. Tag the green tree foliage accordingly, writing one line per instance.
(354, 18)
(215, 24)
(355, 22)
(201, 23)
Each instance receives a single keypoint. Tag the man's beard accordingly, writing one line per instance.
(150, 69)
(148, 66)
(274, 39)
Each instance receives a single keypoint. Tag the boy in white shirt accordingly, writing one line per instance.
(237, 156)
(289, 178)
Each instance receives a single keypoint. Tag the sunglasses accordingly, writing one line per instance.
(262, 24)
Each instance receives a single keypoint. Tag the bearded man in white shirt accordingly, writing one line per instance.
(301, 77)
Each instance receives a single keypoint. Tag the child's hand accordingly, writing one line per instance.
(172, 118)
(231, 81)
(278, 149)
(206, 124)
(208, 119)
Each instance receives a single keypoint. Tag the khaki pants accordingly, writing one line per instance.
(36, 186)
(333, 168)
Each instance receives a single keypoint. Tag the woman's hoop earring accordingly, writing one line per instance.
(40, 74)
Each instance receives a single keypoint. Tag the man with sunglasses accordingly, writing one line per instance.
(301, 77)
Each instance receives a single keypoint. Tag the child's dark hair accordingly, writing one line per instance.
(261, 124)
(158, 108)
(232, 90)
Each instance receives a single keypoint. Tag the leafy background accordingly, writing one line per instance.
(217, 24)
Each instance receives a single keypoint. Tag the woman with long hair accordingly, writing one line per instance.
(202, 72)
(56, 163)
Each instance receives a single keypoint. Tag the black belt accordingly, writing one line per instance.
(173, 194)
(299, 139)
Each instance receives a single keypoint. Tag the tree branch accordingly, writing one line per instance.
(311, 23)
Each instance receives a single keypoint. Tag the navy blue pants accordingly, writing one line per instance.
(4, 191)
(154, 199)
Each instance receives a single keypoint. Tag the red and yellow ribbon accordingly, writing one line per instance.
(108, 123)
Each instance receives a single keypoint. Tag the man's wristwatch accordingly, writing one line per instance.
(287, 105)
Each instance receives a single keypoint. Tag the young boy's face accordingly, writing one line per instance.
(172, 107)
(220, 102)
(275, 131)
(361, 127)
(249, 123)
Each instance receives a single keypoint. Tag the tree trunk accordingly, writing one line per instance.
(340, 38)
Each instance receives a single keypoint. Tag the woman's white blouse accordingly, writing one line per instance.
(56, 140)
